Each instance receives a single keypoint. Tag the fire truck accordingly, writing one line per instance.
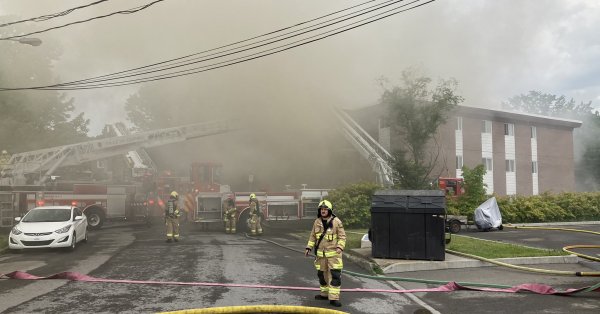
(452, 186)
(100, 201)
(208, 196)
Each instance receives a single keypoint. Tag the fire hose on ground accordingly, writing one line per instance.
(536, 288)
(445, 286)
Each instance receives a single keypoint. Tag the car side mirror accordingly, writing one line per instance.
(77, 218)
(17, 219)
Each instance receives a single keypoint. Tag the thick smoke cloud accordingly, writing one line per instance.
(495, 49)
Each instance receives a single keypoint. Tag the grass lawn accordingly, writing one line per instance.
(469, 245)
(492, 249)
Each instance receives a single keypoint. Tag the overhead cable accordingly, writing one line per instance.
(129, 11)
(101, 81)
(51, 16)
(221, 64)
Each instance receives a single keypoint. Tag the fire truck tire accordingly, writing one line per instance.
(95, 217)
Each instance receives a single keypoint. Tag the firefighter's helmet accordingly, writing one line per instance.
(325, 204)
(252, 196)
(174, 195)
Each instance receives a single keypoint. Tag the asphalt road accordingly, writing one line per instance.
(485, 302)
(547, 239)
(138, 253)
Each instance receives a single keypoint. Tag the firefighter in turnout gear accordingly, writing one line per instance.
(328, 240)
(172, 214)
(229, 215)
(254, 207)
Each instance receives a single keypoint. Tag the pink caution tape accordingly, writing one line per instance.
(451, 286)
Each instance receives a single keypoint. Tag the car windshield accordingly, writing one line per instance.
(48, 215)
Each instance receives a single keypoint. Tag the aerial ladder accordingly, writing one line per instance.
(45, 161)
(377, 156)
(141, 163)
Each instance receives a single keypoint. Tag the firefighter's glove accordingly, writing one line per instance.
(307, 251)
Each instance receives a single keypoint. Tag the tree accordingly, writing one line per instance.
(587, 165)
(540, 103)
(415, 113)
(31, 120)
(147, 110)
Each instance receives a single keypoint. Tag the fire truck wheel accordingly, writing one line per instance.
(95, 218)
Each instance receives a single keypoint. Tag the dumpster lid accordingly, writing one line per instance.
(409, 201)
(410, 192)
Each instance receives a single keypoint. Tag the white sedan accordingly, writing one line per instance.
(49, 227)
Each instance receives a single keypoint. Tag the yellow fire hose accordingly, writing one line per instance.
(259, 309)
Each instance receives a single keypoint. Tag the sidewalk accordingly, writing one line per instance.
(363, 257)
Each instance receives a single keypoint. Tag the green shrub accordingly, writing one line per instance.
(352, 203)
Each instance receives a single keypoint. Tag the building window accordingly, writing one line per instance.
(533, 132)
(486, 126)
(509, 129)
(459, 162)
(534, 167)
(487, 163)
(459, 123)
(510, 165)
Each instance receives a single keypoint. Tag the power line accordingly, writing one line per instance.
(232, 61)
(51, 16)
(88, 84)
(221, 54)
(129, 11)
(164, 63)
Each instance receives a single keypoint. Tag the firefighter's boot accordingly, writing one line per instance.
(335, 303)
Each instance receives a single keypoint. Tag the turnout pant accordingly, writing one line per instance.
(230, 224)
(172, 227)
(255, 227)
(329, 271)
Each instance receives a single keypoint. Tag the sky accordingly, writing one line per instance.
(495, 49)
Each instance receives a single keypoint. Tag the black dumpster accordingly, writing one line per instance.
(408, 224)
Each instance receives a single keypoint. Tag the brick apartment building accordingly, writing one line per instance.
(523, 154)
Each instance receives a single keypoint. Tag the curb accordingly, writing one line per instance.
(470, 263)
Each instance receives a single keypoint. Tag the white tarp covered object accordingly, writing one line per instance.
(488, 216)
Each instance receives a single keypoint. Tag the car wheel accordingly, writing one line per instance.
(73, 241)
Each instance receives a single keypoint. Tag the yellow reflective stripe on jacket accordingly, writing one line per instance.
(339, 265)
(342, 244)
(310, 244)
(326, 254)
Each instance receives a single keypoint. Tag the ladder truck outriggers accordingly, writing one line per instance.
(99, 201)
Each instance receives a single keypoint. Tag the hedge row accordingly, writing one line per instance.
(545, 207)
(352, 204)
